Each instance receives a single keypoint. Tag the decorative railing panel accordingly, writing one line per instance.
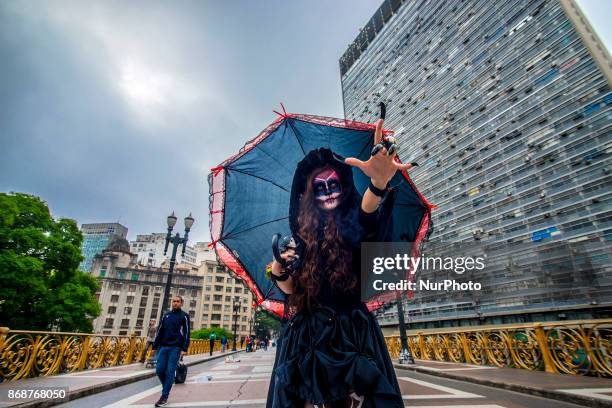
(570, 347)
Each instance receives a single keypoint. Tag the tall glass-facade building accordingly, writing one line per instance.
(95, 239)
(506, 107)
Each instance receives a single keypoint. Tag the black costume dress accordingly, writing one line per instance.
(325, 353)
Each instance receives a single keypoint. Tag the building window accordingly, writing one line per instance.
(141, 313)
(182, 292)
(219, 279)
(139, 324)
(134, 276)
(209, 278)
(114, 298)
(192, 303)
(143, 301)
(228, 298)
(129, 300)
(108, 324)
(205, 307)
(208, 288)
(127, 311)
(116, 286)
(194, 292)
(218, 288)
(102, 273)
(112, 309)
(207, 298)
(145, 291)
(132, 288)
(125, 323)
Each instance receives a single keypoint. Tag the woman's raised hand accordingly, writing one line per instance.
(381, 167)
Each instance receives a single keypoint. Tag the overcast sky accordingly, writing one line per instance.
(116, 111)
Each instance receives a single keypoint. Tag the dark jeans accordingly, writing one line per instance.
(167, 360)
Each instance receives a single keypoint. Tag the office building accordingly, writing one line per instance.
(95, 239)
(506, 107)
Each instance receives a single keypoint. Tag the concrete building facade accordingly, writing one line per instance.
(131, 294)
(506, 106)
(149, 249)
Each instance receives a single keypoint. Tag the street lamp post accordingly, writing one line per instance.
(236, 307)
(405, 355)
(176, 241)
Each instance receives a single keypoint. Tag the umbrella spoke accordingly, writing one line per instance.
(296, 132)
(258, 177)
(233, 234)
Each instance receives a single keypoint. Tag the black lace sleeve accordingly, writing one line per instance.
(378, 225)
(369, 223)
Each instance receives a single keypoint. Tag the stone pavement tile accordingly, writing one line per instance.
(89, 382)
(415, 389)
(577, 389)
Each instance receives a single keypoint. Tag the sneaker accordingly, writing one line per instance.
(162, 402)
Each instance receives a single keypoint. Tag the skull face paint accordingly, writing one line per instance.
(327, 189)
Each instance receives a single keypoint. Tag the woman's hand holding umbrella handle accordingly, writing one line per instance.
(278, 270)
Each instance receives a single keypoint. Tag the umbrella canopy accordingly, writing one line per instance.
(250, 192)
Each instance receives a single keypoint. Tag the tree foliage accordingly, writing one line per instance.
(205, 333)
(267, 324)
(40, 283)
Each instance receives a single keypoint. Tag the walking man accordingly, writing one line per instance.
(151, 331)
(223, 343)
(172, 342)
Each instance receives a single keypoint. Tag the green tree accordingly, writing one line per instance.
(205, 333)
(40, 283)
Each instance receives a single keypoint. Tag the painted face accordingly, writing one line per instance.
(327, 189)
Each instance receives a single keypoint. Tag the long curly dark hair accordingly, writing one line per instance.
(325, 254)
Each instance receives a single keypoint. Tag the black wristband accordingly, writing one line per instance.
(377, 191)
(279, 278)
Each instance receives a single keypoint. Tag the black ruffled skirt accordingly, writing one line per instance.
(325, 354)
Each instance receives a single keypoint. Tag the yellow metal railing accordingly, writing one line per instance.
(26, 354)
(571, 347)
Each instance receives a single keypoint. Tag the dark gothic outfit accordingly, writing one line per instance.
(325, 353)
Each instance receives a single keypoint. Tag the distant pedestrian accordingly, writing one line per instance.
(172, 342)
(248, 345)
(223, 343)
(151, 332)
(211, 341)
(241, 343)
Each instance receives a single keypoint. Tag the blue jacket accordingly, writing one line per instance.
(173, 331)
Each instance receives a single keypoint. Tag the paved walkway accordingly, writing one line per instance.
(590, 391)
(83, 383)
(217, 383)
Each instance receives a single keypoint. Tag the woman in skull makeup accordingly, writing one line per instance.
(331, 352)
